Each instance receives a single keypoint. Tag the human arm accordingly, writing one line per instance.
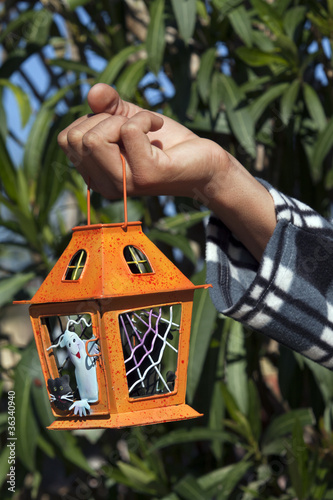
(165, 158)
(288, 296)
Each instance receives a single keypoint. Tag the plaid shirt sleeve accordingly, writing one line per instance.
(289, 294)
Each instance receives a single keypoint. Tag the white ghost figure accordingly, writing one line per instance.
(85, 367)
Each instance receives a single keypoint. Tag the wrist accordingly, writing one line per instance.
(243, 204)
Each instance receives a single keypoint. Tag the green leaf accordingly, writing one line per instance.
(175, 241)
(180, 222)
(33, 155)
(239, 117)
(224, 480)
(7, 173)
(74, 4)
(136, 475)
(55, 172)
(237, 379)
(129, 79)
(15, 25)
(283, 424)
(324, 25)
(257, 58)
(297, 458)
(189, 489)
(37, 31)
(22, 191)
(314, 106)
(233, 94)
(215, 96)
(27, 430)
(203, 122)
(21, 98)
(329, 179)
(321, 149)
(203, 321)
(288, 101)
(4, 465)
(254, 410)
(26, 223)
(70, 65)
(204, 74)
(261, 40)
(253, 83)
(225, 6)
(9, 287)
(110, 73)
(173, 496)
(114, 212)
(239, 423)
(182, 436)
(269, 16)
(259, 105)
(72, 452)
(242, 126)
(293, 18)
(185, 14)
(155, 41)
(241, 22)
(289, 51)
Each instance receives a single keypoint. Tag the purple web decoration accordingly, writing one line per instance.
(150, 346)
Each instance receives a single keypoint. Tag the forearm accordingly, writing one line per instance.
(243, 205)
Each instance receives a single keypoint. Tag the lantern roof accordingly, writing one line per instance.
(110, 260)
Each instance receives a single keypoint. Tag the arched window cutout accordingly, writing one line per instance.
(76, 265)
(136, 260)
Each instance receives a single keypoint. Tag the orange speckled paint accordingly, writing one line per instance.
(106, 289)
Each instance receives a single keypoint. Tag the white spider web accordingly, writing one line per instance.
(150, 347)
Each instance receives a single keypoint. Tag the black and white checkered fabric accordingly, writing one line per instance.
(289, 294)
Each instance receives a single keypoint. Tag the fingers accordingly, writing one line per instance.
(70, 139)
(140, 152)
(93, 144)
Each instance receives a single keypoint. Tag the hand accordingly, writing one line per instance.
(80, 407)
(162, 156)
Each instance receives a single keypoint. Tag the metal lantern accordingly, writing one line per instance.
(112, 324)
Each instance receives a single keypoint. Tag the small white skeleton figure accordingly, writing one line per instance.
(85, 367)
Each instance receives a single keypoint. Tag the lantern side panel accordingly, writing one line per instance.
(76, 384)
(150, 339)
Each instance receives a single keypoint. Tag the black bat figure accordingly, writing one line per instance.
(61, 394)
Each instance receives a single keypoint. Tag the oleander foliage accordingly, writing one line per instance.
(255, 76)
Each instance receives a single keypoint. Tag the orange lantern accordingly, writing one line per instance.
(112, 325)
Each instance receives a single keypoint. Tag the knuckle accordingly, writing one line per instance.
(91, 140)
(62, 139)
(74, 137)
(128, 128)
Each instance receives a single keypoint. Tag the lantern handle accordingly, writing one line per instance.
(125, 224)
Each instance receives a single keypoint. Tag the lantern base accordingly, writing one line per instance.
(118, 420)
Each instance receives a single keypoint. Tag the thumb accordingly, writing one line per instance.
(103, 99)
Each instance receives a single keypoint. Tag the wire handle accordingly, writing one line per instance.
(125, 224)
